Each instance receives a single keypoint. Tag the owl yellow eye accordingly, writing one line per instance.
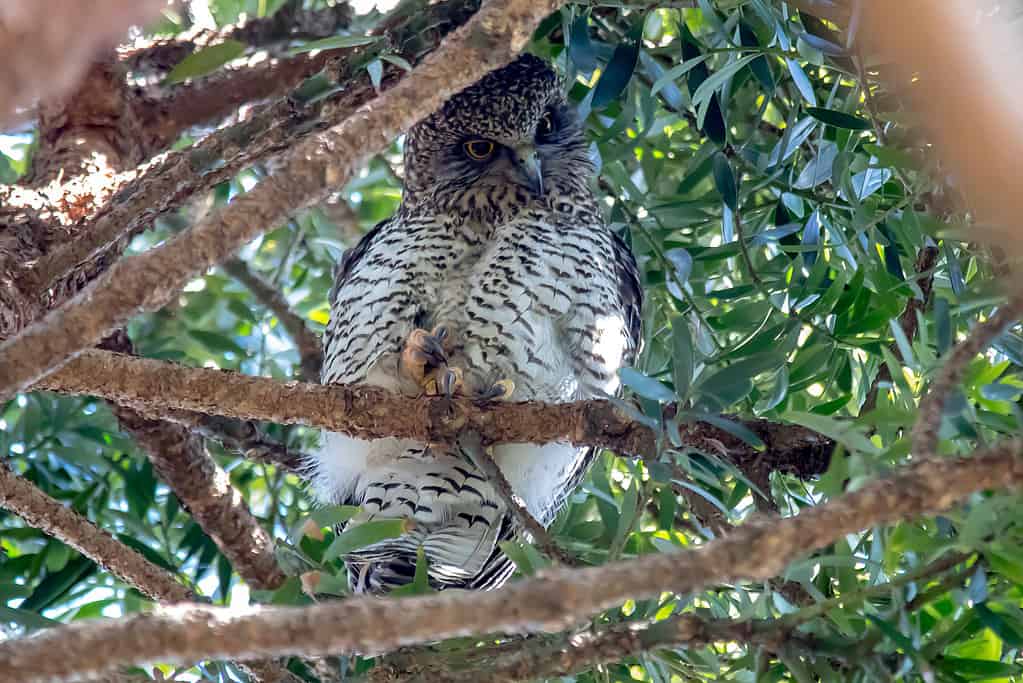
(479, 150)
(546, 125)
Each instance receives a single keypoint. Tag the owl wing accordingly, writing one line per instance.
(371, 308)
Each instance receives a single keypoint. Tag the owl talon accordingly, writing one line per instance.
(501, 390)
(450, 382)
(423, 353)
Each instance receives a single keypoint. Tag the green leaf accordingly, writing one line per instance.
(205, 61)
(839, 119)
(580, 48)
(617, 74)
(724, 180)
(1010, 633)
(683, 356)
(977, 669)
(334, 43)
(364, 534)
(802, 82)
(645, 386)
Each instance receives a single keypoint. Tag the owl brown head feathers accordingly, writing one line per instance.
(499, 146)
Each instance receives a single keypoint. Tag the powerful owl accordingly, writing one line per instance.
(497, 278)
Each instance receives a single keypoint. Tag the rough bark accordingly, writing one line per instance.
(290, 22)
(85, 142)
(180, 459)
(53, 518)
(155, 387)
(554, 600)
(165, 184)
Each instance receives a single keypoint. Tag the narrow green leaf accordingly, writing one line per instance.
(334, 43)
(839, 119)
(645, 386)
(683, 356)
(365, 534)
(724, 180)
(617, 74)
(580, 48)
(205, 61)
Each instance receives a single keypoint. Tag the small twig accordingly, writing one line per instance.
(307, 342)
(928, 421)
(555, 600)
(53, 518)
(243, 437)
(518, 509)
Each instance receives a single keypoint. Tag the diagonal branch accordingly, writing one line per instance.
(157, 388)
(517, 507)
(204, 489)
(49, 515)
(289, 22)
(307, 173)
(310, 351)
(928, 421)
(554, 600)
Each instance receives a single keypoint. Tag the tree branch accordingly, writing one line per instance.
(307, 342)
(306, 174)
(204, 489)
(158, 388)
(554, 600)
(289, 22)
(518, 509)
(928, 421)
(53, 518)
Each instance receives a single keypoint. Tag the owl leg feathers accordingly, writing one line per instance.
(424, 360)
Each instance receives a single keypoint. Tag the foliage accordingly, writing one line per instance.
(800, 263)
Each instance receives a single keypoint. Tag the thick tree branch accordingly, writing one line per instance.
(289, 22)
(204, 489)
(53, 518)
(554, 600)
(307, 342)
(158, 388)
(306, 174)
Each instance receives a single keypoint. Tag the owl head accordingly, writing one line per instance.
(506, 143)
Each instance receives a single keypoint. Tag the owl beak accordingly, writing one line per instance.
(528, 161)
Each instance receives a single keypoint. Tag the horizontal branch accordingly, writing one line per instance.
(554, 600)
(306, 174)
(158, 388)
(55, 519)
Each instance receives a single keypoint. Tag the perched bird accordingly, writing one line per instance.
(497, 278)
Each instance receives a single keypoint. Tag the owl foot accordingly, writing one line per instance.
(424, 360)
(501, 390)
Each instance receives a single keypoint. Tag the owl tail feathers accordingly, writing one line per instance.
(387, 566)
